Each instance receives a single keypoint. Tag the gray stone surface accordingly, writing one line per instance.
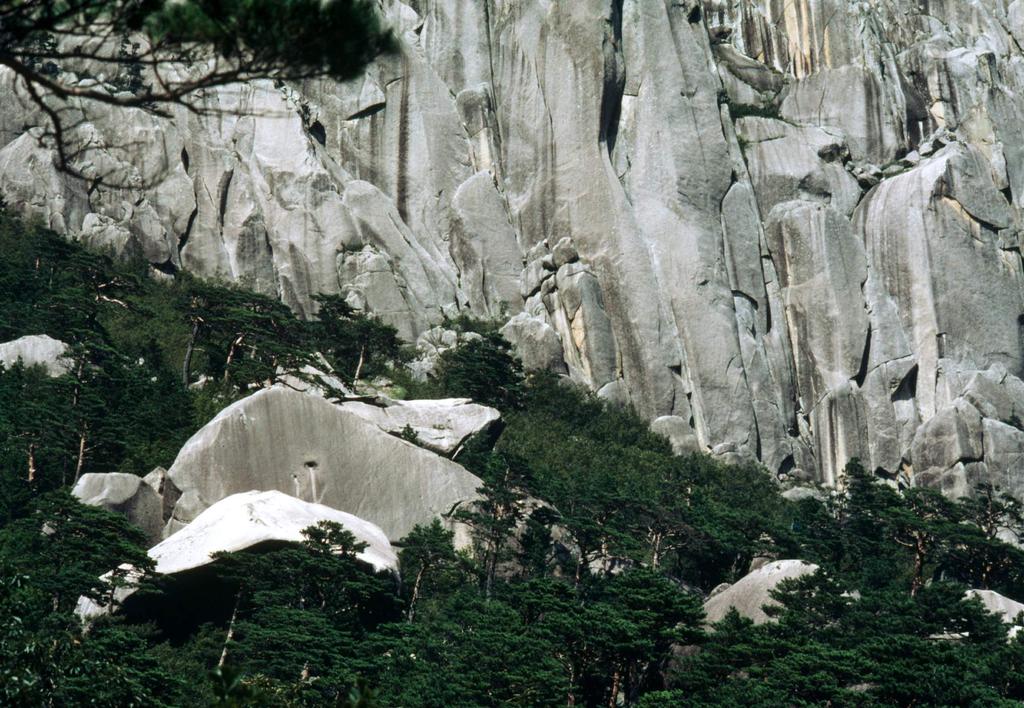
(161, 483)
(441, 425)
(952, 435)
(1008, 610)
(36, 350)
(679, 433)
(302, 445)
(793, 228)
(125, 494)
(752, 592)
(536, 343)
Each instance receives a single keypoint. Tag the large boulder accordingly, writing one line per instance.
(241, 522)
(441, 425)
(124, 494)
(302, 445)
(535, 342)
(752, 592)
(249, 519)
(37, 350)
(1006, 609)
(953, 434)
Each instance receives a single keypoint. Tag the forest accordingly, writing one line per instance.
(593, 549)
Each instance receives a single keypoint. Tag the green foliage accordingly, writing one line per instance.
(541, 642)
(743, 110)
(431, 567)
(831, 646)
(483, 369)
(354, 345)
(338, 37)
(135, 344)
(621, 492)
(48, 558)
(588, 551)
(879, 538)
(303, 611)
(64, 546)
(130, 78)
(260, 37)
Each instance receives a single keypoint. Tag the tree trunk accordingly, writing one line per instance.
(919, 554)
(231, 630)
(490, 569)
(415, 593)
(359, 366)
(231, 354)
(580, 560)
(76, 395)
(186, 365)
(31, 462)
(656, 539)
(81, 452)
(616, 681)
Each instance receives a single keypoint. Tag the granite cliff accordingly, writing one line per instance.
(786, 230)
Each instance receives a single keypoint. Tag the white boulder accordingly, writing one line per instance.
(1008, 610)
(302, 445)
(751, 593)
(441, 425)
(237, 523)
(124, 494)
(245, 520)
(37, 350)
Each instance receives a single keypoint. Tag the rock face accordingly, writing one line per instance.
(752, 592)
(1007, 609)
(306, 447)
(789, 230)
(124, 494)
(36, 350)
(245, 520)
(441, 425)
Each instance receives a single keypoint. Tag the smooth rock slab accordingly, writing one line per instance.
(302, 445)
(752, 592)
(37, 350)
(244, 520)
(441, 425)
(1000, 605)
(237, 523)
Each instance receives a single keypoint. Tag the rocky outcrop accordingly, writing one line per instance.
(1006, 609)
(441, 425)
(125, 494)
(788, 231)
(536, 343)
(37, 350)
(751, 593)
(161, 483)
(242, 521)
(311, 449)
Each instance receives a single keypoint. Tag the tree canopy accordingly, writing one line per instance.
(581, 570)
